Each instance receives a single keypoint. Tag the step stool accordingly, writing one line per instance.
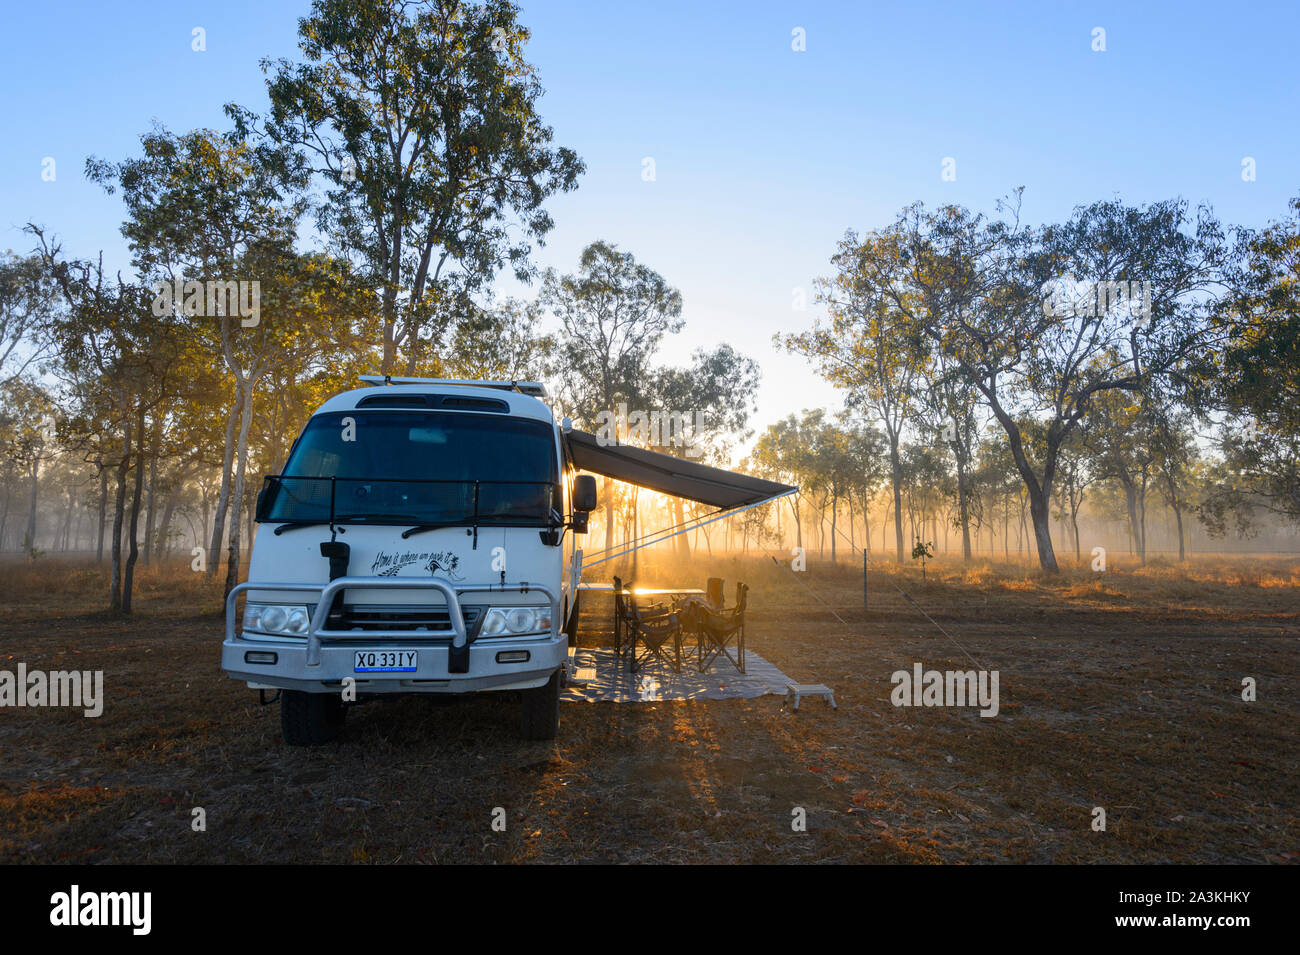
(576, 675)
(800, 690)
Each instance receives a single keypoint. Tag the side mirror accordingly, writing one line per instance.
(579, 523)
(263, 499)
(584, 493)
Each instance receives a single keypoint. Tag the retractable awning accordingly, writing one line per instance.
(679, 477)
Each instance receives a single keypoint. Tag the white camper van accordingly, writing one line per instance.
(413, 544)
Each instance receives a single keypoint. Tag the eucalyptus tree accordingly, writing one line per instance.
(27, 439)
(309, 305)
(996, 481)
(614, 312)
(782, 454)
(28, 300)
(198, 204)
(502, 342)
(1255, 379)
(1075, 474)
(829, 464)
(1002, 301)
(121, 360)
(710, 400)
(417, 120)
(1176, 460)
(928, 482)
(865, 467)
(1121, 439)
(951, 415)
(868, 349)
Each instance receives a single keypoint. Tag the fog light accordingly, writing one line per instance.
(260, 656)
(513, 656)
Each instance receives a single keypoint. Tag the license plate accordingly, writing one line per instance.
(385, 661)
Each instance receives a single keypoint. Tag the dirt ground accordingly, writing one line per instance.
(1120, 690)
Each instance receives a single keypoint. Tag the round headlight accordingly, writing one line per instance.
(494, 624)
(520, 619)
(274, 619)
(297, 620)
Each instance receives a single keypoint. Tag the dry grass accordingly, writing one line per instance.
(1119, 690)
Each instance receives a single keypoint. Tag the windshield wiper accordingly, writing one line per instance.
(291, 525)
(377, 519)
(421, 528)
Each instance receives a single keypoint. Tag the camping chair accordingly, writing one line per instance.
(717, 630)
(623, 611)
(620, 614)
(658, 631)
(712, 599)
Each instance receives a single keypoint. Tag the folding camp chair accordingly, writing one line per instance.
(685, 606)
(623, 610)
(620, 614)
(659, 632)
(717, 631)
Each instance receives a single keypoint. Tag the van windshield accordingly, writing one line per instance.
(419, 467)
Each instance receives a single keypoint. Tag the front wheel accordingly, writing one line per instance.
(542, 710)
(309, 719)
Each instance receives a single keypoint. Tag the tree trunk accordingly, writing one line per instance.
(223, 499)
(1074, 520)
(896, 474)
(250, 508)
(66, 536)
(1006, 528)
(607, 496)
(76, 531)
(683, 542)
(103, 508)
(129, 576)
(119, 511)
(866, 528)
(834, 523)
(204, 527)
(29, 538)
(153, 481)
(164, 526)
(1142, 523)
(237, 495)
(1040, 511)
(821, 530)
(1135, 523)
(963, 510)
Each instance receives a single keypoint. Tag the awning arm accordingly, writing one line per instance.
(687, 525)
(716, 517)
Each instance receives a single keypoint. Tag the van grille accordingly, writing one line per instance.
(434, 620)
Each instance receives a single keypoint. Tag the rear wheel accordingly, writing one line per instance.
(542, 710)
(309, 719)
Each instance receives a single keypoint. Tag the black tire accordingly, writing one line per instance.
(541, 710)
(309, 719)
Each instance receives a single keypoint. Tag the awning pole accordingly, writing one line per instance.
(684, 525)
(731, 513)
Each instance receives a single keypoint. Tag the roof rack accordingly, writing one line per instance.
(534, 389)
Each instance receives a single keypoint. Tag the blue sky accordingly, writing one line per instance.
(763, 155)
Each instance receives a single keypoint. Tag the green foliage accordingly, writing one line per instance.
(418, 121)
